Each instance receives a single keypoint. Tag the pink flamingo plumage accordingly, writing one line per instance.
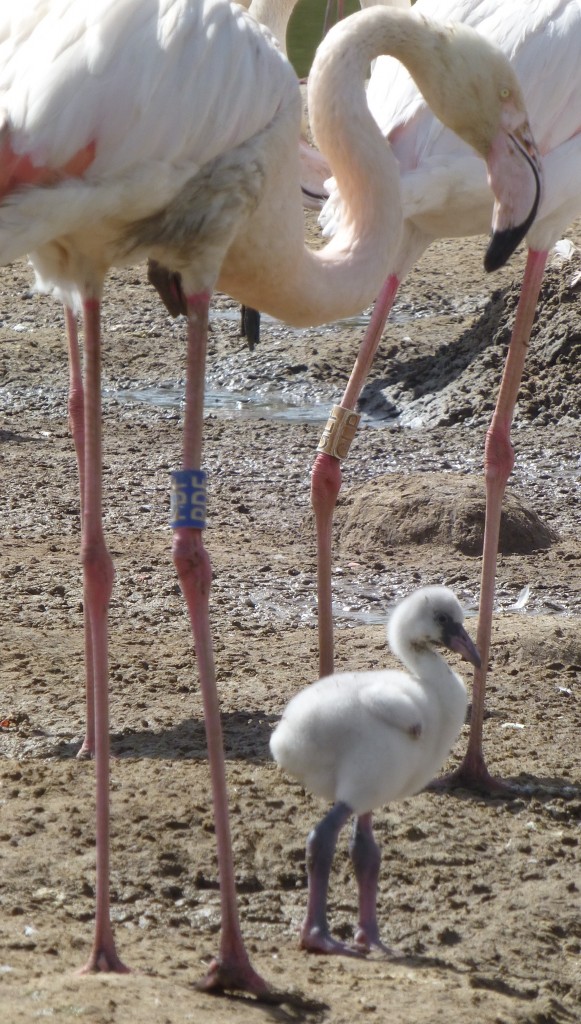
(80, 166)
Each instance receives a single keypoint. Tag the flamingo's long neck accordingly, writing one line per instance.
(443, 686)
(304, 287)
(275, 14)
(275, 272)
(422, 662)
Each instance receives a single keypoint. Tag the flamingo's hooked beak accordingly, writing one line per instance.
(515, 176)
(459, 641)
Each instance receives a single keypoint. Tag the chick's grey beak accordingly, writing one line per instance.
(460, 642)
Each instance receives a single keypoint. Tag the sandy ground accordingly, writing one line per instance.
(481, 896)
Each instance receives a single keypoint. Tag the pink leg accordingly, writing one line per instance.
(232, 969)
(326, 474)
(315, 935)
(77, 424)
(98, 583)
(498, 464)
(325, 486)
(366, 859)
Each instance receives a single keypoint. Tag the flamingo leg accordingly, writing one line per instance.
(326, 473)
(498, 464)
(366, 860)
(77, 425)
(232, 968)
(321, 844)
(98, 576)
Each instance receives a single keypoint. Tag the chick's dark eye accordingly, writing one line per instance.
(441, 618)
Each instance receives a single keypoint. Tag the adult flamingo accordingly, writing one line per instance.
(445, 194)
(94, 174)
(80, 165)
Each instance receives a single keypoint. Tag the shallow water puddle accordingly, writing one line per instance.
(233, 316)
(222, 402)
(370, 604)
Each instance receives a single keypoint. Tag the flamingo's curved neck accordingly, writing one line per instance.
(421, 661)
(274, 271)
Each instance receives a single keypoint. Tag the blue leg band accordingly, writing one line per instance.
(188, 498)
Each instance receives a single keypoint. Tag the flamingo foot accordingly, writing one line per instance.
(243, 978)
(237, 976)
(316, 940)
(472, 773)
(367, 940)
(85, 752)
(104, 959)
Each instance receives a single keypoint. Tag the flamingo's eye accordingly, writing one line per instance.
(504, 93)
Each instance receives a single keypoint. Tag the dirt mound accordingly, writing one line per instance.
(456, 379)
(550, 386)
(434, 508)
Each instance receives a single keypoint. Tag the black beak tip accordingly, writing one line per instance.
(502, 245)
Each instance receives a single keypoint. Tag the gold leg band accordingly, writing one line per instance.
(339, 432)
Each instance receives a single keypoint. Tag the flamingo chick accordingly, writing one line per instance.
(363, 739)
